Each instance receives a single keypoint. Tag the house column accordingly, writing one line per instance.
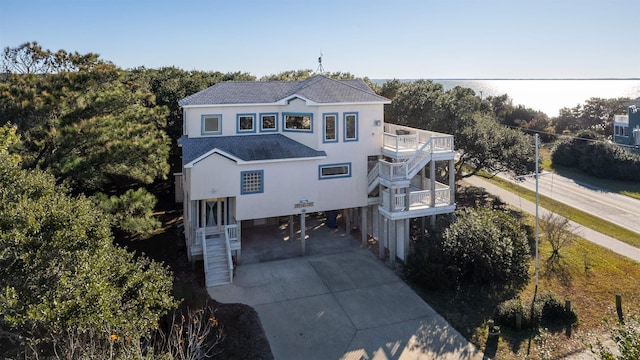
(407, 236)
(432, 188)
(382, 234)
(347, 220)
(432, 174)
(239, 251)
(363, 225)
(392, 242)
(407, 198)
(303, 230)
(373, 221)
(291, 230)
(401, 232)
(452, 182)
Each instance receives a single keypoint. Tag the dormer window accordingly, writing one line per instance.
(212, 124)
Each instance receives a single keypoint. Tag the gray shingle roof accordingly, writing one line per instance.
(247, 147)
(319, 88)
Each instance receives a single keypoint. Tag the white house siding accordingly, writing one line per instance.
(288, 182)
(285, 184)
(369, 135)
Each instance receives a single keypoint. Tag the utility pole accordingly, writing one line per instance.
(537, 175)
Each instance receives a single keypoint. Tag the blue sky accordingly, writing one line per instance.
(378, 39)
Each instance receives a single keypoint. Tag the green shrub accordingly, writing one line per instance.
(598, 158)
(428, 275)
(506, 314)
(486, 246)
(554, 310)
(547, 309)
(425, 266)
(564, 153)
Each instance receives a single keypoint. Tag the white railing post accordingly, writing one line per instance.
(227, 246)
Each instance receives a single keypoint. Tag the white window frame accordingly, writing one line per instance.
(285, 117)
(324, 128)
(346, 174)
(204, 119)
(346, 129)
(275, 123)
(239, 118)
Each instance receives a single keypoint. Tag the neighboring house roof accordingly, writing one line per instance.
(319, 89)
(247, 147)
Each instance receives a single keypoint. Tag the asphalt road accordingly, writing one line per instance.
(582, 231)
(615, 208)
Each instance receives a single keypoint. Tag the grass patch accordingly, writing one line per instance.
(580, 217)
(588, 275)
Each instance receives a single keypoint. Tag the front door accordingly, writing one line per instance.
(212, 213)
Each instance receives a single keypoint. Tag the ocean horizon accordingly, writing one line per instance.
(548, 95)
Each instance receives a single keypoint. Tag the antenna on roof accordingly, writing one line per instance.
(320, 69)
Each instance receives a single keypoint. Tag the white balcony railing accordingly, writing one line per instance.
(417, 199)
(403, 140)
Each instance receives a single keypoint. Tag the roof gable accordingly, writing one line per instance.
(318, 89)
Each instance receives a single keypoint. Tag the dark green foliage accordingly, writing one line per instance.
(425, 268)
(595, 114)
(170, 84)
(89, 123)
(595, 156)
(507, 310)
(62, 279)
(132, 211)
(487, 246)
(547, 310)
(565, 153)
(493, 148)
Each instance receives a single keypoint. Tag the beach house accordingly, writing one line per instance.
(254, 153)
(626, 128)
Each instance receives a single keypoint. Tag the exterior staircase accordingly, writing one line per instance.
(407, 152)
(373, 178)
(409, 167)
(218, 264)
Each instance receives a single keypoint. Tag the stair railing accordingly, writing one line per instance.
(227, 245)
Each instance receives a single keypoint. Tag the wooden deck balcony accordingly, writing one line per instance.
(416, 203)
(417, 198)
(401, 142)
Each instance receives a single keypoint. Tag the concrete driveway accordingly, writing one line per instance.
(344, 305)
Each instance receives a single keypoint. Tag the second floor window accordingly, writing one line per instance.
(246, 123)
(298, 122)
(269, 122)
(351, 127)
(211, 124)
(330, 127)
